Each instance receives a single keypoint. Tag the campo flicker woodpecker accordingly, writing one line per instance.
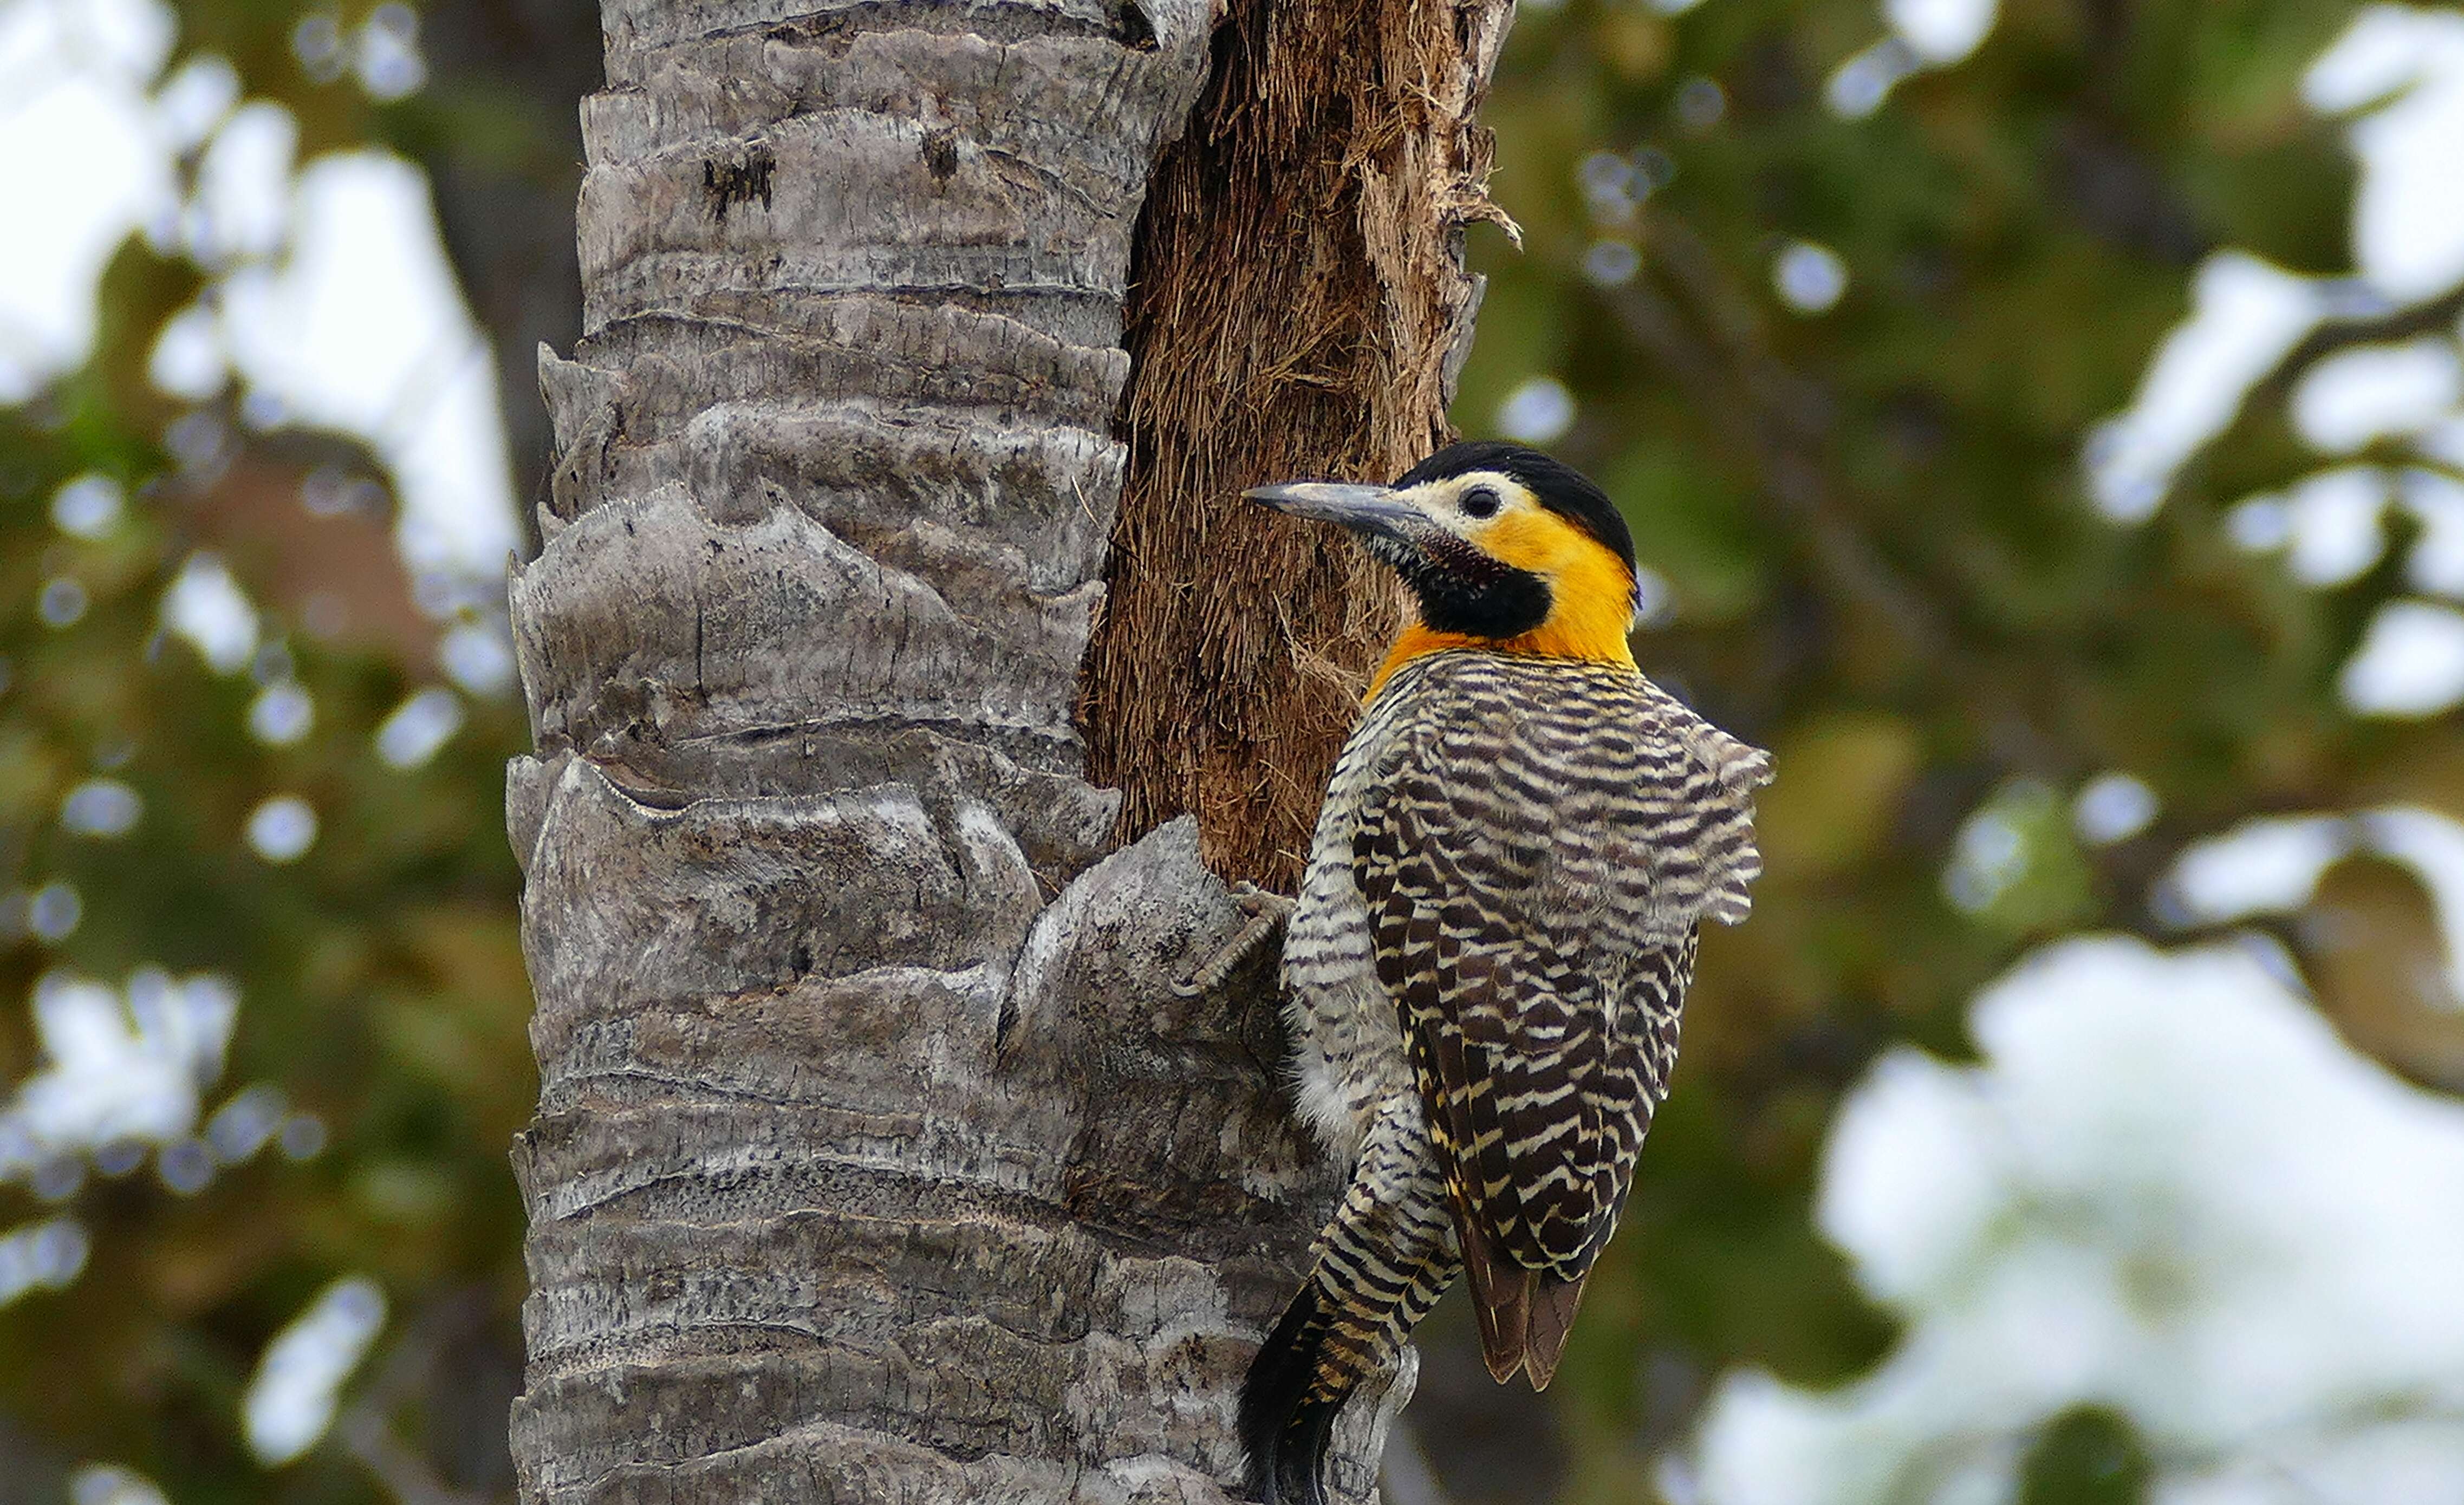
(1494, 933)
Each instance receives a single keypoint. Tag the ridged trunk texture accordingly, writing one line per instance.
(876, 1159)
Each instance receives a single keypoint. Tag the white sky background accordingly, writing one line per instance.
(2397, 75)
(338, 306)
(2169, 1189)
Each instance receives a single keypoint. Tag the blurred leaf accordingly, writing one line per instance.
(2090, 1456)
(1845, 775)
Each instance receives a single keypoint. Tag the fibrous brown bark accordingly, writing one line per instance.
(1301, 309)
(876, 1158)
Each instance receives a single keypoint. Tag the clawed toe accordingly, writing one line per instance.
(1264, 913)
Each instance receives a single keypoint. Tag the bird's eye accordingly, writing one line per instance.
(1479, 502)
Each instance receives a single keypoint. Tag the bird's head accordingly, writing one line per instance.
(1502, 546)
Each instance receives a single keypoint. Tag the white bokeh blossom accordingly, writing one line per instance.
(124, 1064)
(298, 1387)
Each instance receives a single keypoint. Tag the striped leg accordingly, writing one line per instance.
(1381, 1265)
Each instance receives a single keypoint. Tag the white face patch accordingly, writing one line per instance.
(1466, 505)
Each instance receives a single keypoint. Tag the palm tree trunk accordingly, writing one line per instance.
(876, 1158)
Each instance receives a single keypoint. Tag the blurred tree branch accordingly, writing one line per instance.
(1703, 335)
(2336, 335)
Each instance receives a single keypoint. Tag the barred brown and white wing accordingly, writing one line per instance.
(1534, 853)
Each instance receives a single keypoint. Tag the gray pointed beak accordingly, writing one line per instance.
(1362, 509)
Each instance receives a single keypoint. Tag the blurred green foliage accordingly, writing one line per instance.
(380, 978)
(1881, 564)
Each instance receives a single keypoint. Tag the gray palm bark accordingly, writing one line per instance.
(877, 1157)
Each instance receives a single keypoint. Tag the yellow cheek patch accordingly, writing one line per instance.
(1591, 595)
(1531, 538)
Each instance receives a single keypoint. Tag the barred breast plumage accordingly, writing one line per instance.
(1485, 965)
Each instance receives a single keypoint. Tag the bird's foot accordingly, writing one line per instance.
(1264, 913)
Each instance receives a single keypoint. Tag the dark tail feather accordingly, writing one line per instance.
(1552, 1317)
(1524, 1316)
(1502, 1296)
(1287, 1414)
